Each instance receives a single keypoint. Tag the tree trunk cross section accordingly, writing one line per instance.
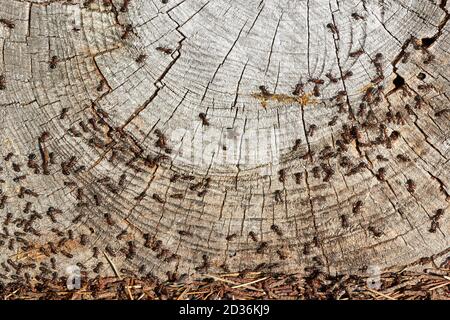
(187, 137)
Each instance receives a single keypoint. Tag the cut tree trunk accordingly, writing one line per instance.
(188, 137)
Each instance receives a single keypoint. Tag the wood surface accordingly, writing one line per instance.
(174, 138)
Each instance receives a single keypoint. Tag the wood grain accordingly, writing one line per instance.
(193, 136)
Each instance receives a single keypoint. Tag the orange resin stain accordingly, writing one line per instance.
(284, 99)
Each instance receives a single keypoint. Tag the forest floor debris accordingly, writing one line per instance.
(429, 284)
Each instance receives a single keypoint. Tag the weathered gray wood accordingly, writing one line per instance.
(349, 98)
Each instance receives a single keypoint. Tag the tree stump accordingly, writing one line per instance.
(189, 137)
